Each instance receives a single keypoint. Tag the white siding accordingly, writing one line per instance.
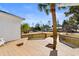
(10, 27)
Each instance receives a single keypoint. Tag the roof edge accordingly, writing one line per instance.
(11, 14)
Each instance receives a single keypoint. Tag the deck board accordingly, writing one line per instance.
(30, 48)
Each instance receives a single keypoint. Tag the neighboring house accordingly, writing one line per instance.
(10, 26)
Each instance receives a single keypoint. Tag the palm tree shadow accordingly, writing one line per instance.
(53, 53)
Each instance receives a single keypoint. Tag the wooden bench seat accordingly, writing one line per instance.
(37, 36)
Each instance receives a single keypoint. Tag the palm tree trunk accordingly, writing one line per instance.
(54, 26)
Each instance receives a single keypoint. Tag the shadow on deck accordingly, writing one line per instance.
(53, 53)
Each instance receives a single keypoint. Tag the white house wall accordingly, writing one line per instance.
(10, 27)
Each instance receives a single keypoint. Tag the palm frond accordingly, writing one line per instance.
(44, 7)
(40, 6)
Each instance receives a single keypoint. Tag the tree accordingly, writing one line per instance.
(69, 25)
(49, 22)
(37, 27)
(64, 23)
(73, 23)
(25, 28)
(73, 12)
(45, 27)
(66, 27)
(50, 8)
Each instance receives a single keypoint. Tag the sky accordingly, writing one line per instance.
(31, 13)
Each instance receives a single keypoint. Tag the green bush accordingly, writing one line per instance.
(25, 28)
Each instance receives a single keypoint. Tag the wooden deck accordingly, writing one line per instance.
(30, 48)
(37, 48)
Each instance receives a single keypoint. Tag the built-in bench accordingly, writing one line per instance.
(37, 36)
(71, 41)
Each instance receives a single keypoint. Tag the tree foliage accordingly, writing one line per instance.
(45, 27)
(41, 28)
(25, 28)
(73, 12)
(69, 25)
(44, 7)
(37, 27)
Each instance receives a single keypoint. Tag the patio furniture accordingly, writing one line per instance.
(2, 41)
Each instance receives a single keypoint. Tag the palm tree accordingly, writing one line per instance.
(50, 8)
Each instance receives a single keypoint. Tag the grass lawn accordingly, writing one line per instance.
(74, 35)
